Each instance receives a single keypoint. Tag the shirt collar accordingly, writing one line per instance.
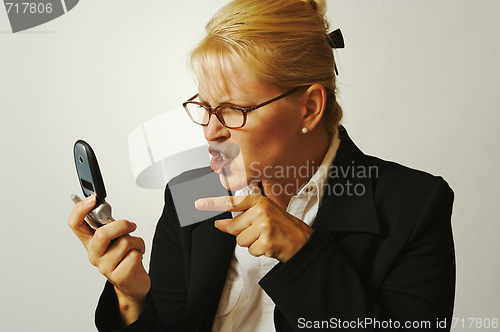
(316, 185)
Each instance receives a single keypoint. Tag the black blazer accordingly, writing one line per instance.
(381, 256)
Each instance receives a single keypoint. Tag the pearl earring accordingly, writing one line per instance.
(304, 130)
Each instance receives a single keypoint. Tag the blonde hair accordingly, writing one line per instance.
(282, 42)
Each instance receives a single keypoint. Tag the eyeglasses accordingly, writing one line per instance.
(231, 116)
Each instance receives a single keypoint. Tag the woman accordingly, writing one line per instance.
(315, 234)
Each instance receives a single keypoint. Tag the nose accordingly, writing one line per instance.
(215, 131)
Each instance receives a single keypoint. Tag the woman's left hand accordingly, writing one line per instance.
(263, 226)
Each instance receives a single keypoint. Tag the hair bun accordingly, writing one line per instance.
(318, 5)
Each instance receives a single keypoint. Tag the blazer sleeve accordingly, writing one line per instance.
(166, 300)
(319, 284)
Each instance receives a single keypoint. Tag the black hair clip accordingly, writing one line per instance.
(335, 40)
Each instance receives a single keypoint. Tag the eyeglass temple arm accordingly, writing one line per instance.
(278, 98)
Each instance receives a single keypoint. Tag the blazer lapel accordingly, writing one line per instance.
(348, 203)
(212, 251)
(208, 251)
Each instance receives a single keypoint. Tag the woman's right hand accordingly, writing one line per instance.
(118, 257)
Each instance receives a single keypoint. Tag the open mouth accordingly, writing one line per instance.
(223, 153)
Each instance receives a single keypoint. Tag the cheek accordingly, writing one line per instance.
(273, 142)
(282, 122)
(267, 152)
(270, 141)
(267, 141)
(273, 129)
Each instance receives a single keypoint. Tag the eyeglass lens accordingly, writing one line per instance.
(230, 116)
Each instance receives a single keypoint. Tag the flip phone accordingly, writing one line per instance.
(91, 182)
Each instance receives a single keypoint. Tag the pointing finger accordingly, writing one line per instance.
(227, 203)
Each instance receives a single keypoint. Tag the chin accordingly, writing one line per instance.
(232, 181)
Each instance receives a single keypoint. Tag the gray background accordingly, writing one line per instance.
(418, 83)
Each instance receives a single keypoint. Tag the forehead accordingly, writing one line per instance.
(222, 76)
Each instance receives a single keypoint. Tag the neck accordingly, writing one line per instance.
(289, 179)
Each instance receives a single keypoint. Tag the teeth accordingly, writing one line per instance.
(223, 157)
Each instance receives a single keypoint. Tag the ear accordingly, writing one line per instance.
(315, 101)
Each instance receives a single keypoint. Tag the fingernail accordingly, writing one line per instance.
(90, 200)
(200, 204)
(215, 224)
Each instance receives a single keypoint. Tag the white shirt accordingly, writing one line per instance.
(244, 306)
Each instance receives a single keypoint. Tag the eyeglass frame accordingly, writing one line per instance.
(244, 110)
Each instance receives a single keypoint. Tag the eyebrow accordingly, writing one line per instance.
(224, 102)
